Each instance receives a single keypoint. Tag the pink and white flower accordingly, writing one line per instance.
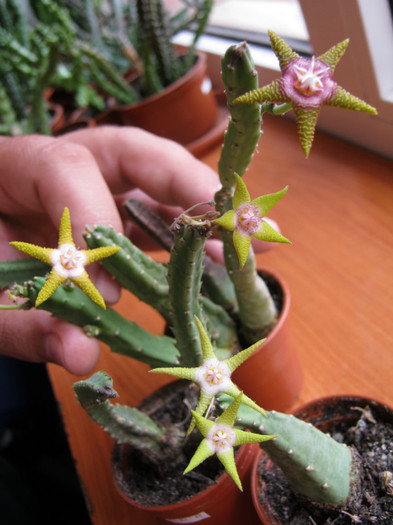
(308, 83)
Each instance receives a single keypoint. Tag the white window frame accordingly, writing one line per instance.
(359, 71)
(368, 25)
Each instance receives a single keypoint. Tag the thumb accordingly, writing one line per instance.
(37, 337)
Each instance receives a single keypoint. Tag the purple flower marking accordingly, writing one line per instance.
(308, 82)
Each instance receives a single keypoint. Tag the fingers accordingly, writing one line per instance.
(43, 175)
(131, 157)
(36, 337)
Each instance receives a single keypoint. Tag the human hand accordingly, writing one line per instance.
(88, 171)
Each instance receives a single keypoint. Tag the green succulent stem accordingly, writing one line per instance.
(315, 464)
(122, 336)
(133, 269)
(124, 424)
(184, 278)
(256, 308)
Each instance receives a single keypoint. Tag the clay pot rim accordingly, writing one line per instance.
(329, 398)
(222, 482)
(171, 90)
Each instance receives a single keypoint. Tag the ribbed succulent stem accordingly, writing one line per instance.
(257, 311)
(124, 424)
(314, 463)
(106, 76)
(122, 336)
(152, 21)
(133, 269)
(38, 119)
(21, 270)
(215, 281)
(184, 278)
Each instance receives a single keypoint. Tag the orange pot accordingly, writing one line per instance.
(221, 503)
(184, 111)
(272, 376)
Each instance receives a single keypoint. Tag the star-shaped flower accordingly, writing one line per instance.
(67, 262)
(246, 219)
(220, 437)
(213, 376)
(307, 83)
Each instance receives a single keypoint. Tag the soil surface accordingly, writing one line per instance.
(374, 442)
(163, 483)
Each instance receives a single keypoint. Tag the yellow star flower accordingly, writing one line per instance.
(220, 437)
(246, 219)
(67, 262)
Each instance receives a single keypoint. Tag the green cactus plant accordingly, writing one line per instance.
(205, 305)
(102, 42)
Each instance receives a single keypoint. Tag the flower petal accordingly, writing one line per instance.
(202, 452)
(227, 220)
(99, 253)
(228, 417)
(177, 371)
(342, 98)
(207, 349)
(270, 93)
(268, 234)
(203, 403)
(241, 195)
(84, 283)
(242, 246)
(228, 460)
(306, 119)
(249, 437)
(266, 202)
(65, 230)
(38, 252)
(282, 50)
(51, 284)
(333, 55)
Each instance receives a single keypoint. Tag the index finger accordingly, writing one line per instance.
(163, 169)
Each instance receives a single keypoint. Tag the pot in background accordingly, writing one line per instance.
(183, 111)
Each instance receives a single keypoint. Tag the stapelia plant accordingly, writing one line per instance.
(212, 310)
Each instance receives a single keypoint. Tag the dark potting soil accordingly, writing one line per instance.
(164, 483)
(374, 442)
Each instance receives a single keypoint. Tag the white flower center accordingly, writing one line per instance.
(248, 219)
(68, 261)
(213, 376)
(310, 81)
(221, 438)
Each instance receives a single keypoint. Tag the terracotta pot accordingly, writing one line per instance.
(327, 414)
(272, 376)
(221, 503)
(184, 111)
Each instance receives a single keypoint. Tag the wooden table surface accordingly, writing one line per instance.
(338, 213)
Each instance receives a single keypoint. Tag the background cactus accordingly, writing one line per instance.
(85, 48)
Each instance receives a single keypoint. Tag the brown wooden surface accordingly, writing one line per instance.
(338, 213)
